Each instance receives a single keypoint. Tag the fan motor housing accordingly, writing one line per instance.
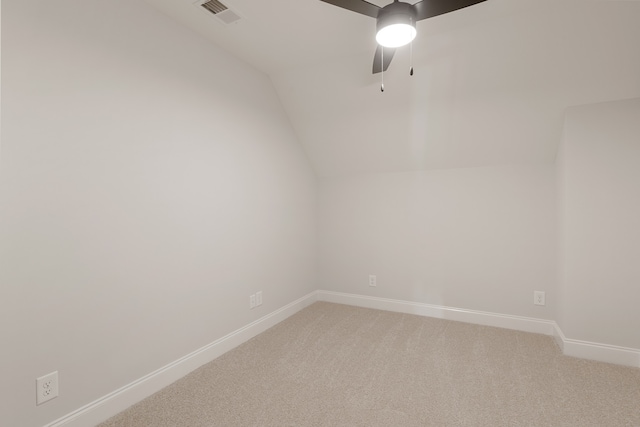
(396, 13)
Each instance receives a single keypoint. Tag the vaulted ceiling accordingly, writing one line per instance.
(491, 81)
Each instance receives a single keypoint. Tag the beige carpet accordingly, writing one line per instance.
(336, 365)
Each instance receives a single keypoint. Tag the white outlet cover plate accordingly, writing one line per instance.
(538, 298)
(46, 387)
(372, 280)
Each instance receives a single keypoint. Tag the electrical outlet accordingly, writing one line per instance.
(252, 301)
(46, 387)
(258, 298)
(372, 280)
(538, 298)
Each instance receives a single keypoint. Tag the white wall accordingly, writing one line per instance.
(149, 183)
(481, 238)
(599, 178)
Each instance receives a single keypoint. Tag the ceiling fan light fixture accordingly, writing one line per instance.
(396, 25)
(396, 35)
(396, 22)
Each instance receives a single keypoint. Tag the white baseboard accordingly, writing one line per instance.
(118, 400)
(570, 347)
(519, 323)
(558, 336)
(597, 351)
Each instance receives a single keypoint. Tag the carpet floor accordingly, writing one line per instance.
(337, 365)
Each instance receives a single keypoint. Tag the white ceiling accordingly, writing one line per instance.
(490, 87)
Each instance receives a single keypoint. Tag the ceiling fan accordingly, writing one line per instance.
(396, 22)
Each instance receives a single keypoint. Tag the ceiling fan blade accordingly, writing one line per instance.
(358, 6)
(428, 8)
(377, 58)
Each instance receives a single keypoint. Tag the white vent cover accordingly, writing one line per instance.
(214, 6)
(219, 10)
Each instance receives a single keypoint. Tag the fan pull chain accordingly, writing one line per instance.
(382, 68)
(411, 59)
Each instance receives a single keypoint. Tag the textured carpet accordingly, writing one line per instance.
(336, 365)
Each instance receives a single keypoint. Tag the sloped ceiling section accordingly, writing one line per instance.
(491, 81)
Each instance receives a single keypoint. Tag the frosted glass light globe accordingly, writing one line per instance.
(396, 35)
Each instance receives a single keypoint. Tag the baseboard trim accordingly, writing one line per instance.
(569, 347)
(118, 400)
(597, 351)
(559, 337)
(526, 324)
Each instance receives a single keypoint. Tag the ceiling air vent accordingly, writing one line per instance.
(221, 11)
(214, 6)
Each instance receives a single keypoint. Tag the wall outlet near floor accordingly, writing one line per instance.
(46, 387)
(258, 298)
(372, 280)
(252, 301)
(538, 298)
